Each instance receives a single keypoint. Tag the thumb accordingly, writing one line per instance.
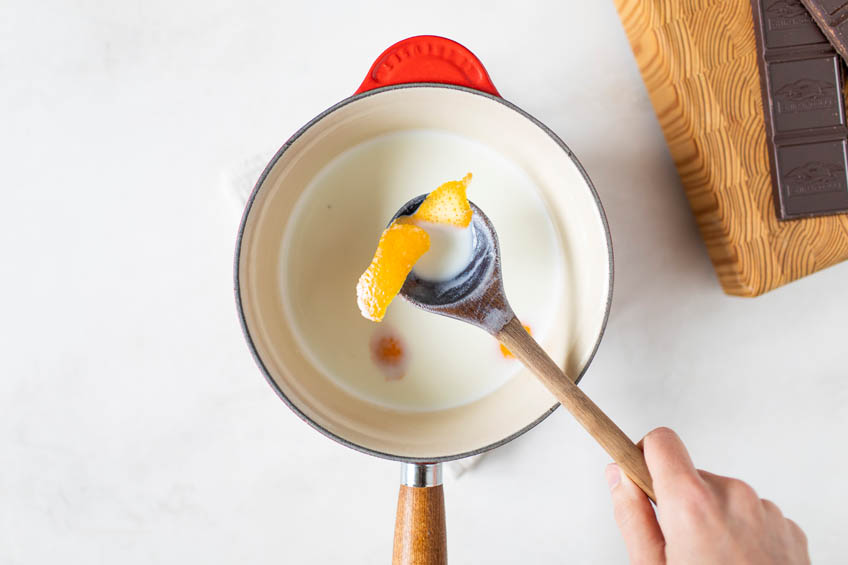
(636, 519)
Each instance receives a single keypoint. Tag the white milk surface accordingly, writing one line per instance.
(449, 253)
(332, 239)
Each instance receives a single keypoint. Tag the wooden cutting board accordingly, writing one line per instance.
(698, 59)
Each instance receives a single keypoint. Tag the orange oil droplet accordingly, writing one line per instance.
(388, 350)
(389, 354)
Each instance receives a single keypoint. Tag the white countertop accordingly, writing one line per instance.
(134, 425)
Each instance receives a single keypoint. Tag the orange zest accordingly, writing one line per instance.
(447, 204)
(400, 246)
(404, 242)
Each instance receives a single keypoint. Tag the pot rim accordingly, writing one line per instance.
(249, 205)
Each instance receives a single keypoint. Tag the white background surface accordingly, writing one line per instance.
(134, 426)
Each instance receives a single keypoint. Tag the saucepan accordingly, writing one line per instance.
(432, 84)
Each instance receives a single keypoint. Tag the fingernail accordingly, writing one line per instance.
(613, 475)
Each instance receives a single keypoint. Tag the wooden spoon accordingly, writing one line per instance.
(477, 296)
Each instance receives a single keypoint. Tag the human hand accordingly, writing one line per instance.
(701, 518)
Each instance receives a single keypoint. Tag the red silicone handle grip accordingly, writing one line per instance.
(428, 58)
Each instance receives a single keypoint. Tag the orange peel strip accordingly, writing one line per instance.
(400, 246)
(447, 204)
(404, 242)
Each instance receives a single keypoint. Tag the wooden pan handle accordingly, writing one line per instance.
(420, 534)
(622, 450)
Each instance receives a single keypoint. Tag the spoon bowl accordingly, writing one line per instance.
(476, 295)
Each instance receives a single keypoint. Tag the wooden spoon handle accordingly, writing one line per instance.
(623, 451)
(420, 536)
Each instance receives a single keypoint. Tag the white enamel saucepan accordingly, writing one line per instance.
(431, 84)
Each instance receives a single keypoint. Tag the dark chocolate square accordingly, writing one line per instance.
(841, 31)
(812, 178)
(832, 18)
(831, 6)
(806, 94)
(787, 22)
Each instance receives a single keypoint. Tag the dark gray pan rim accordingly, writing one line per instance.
(249, 206)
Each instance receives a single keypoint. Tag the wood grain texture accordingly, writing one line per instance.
(615, 442)
(420, 534)
(699, 63)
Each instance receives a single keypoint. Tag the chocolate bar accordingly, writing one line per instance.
(832, 18)
(802, 83)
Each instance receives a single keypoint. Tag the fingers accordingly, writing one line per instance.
(793, 530)
(700, 514)
(738, 495)
(799, 536)
(669, 463)
(635, 518)
(798, 550)
(741, 500)
(771, 510)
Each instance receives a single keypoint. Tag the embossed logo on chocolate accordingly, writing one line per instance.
(805, 95)
(815, 177)
(783, 14)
